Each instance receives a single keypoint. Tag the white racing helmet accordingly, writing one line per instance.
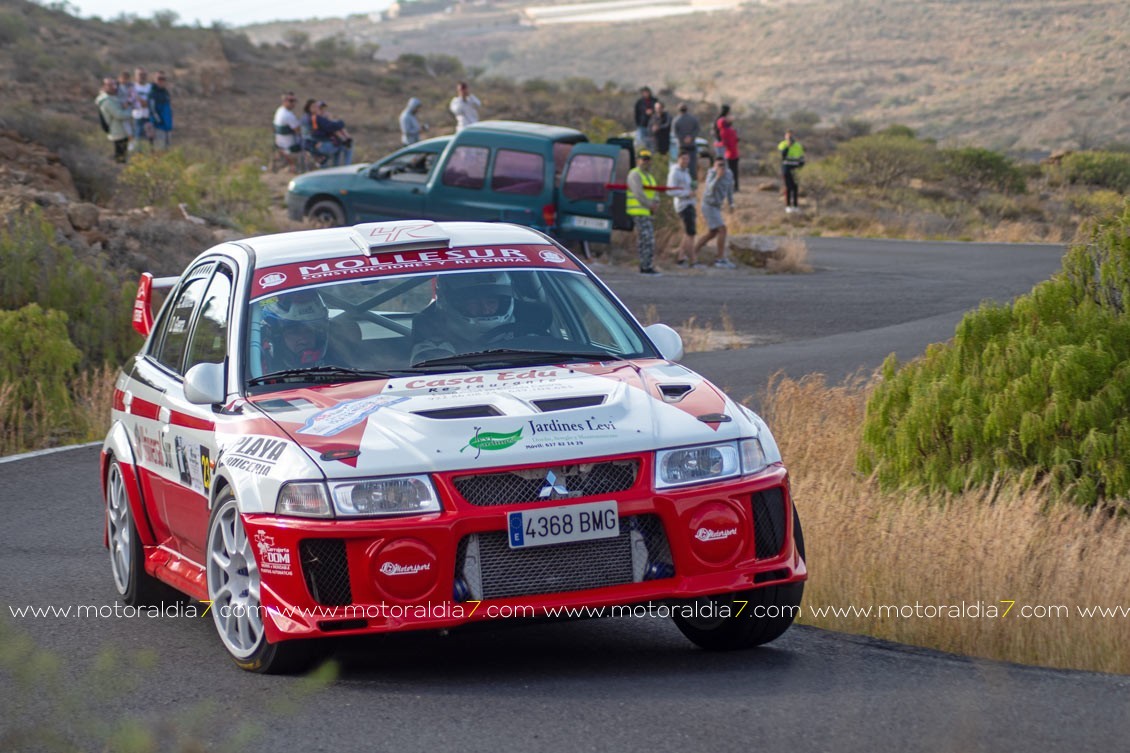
(475, 303)
(303, 308)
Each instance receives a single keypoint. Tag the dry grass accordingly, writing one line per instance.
(701, 337)
(23, 428)
(791, 257)
(868, 548)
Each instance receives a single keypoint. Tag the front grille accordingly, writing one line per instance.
(768, 522)
(487, 568)
(326, 571)
(530, 485)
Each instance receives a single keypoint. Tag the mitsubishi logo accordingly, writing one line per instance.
(552, 487)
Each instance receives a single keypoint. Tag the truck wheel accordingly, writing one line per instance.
(326, 213)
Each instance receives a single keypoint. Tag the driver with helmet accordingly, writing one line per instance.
(296, 332)
(471, 312)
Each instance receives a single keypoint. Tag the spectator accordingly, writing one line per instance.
(142, 125)
(792, 159)
(307, 126)
(464, 106)
(680, 187)
(410, 126)
(645, 105)
(729, 137)
(719, 147)
(660, 128)
(330, 137)
(288, 131)
(641, 205)
(719, 190)
(118, 118)
(685, 129)
(161, 111)
(126, 99)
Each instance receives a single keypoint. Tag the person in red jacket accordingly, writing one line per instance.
(728, 138)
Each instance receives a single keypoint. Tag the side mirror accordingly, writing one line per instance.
(668, 341)
(382, 173)
(204, 384)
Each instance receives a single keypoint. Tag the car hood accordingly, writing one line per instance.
(315, 177)
(508, 417)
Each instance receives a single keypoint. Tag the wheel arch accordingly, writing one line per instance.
(323, 196)
(117, 446)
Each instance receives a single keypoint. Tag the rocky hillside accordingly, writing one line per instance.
(1023, 75)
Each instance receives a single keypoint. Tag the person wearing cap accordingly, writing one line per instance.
(642, 204)
(684, 130)
(330, 136)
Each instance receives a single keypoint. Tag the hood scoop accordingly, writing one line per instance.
(673, 393)
(461, 411)
(568, 403)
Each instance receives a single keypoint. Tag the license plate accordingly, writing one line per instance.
(592, 223)
(562, 525)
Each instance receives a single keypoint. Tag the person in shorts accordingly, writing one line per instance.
(719, 190)
(680, 187)
(288, 131)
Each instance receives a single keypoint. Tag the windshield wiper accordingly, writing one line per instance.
(511, 355)
(319, 373)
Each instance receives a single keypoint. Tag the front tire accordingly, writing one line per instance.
(233, 589)
(766, 614)
(326, 213)
(127, 556)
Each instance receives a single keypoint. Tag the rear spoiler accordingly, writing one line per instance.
(142, 303)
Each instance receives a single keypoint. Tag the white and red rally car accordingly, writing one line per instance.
(415, 425)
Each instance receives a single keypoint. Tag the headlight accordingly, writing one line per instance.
(403, 495)
(304, 499)
(290, 186)
(691, 465)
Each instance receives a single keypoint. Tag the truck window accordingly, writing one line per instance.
(413, 167)
(467, 167)
(518, 173)
(586, 177)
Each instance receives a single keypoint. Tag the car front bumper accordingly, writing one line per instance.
(443, 570)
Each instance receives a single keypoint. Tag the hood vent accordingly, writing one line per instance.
(673, 393)
(568, 403)
(461, 411)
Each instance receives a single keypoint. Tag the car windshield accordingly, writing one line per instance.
(458, 321)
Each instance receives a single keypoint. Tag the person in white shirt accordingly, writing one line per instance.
(143, 126)
(680, 187)
(288, 131)
(464, 106)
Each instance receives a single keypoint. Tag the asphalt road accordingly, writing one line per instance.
(607, 685)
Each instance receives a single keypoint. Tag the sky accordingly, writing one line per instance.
(230, 12)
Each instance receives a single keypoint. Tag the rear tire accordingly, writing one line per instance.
(233, 589)
(326, 213)
(136, 587)
(766, 615)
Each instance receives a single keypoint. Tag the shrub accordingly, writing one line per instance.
(975, 170)
(39, 269)
(1102, 169)
(13, 27)
(883, 160)
(1036, 389)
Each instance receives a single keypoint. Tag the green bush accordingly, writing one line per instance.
(975, 170)
(37, 355)
(39, 269)
(1102, 169)
(883, 161)
(1037, 389)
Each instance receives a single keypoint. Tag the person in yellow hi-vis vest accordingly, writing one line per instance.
(642, 204)
(792, 159)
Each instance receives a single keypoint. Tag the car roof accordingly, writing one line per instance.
(551, 132)
(380, 237)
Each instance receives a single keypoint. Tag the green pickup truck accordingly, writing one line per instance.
(546, 177)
